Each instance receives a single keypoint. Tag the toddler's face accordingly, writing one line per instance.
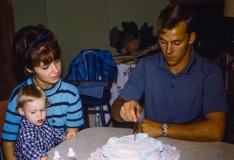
(35, 111)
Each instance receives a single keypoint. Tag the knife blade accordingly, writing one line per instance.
(135, 125)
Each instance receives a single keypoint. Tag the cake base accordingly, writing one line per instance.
(125, 148)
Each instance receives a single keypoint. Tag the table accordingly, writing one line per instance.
(88, 140)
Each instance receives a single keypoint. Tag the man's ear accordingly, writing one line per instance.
(192, 37)
(21, 111)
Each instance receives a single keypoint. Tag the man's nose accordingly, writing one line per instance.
(169, 49)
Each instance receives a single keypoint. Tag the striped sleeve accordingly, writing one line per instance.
(74, 113)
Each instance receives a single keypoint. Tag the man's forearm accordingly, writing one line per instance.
(8, 150)
(210, 129)
(115, 109)
(206, 130)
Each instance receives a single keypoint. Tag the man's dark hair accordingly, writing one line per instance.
(172, 15)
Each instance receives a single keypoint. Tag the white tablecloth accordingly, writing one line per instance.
(88, 140)
(124, 70)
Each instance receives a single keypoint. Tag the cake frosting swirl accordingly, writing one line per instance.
(125, 148)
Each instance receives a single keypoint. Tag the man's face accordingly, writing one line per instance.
(175, 46)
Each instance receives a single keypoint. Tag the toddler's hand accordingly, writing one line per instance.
(71, 134)
(44, 158)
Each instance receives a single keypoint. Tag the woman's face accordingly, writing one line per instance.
(47, 75)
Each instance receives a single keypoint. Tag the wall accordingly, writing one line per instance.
(84, 24)
(29, 12)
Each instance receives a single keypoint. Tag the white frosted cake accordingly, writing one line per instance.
(125, 148)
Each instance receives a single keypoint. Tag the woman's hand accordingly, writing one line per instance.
(44, 158)
(71, 134)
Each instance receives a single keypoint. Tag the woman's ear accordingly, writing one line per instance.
(29, 70)
(192, 37)
(21, 111)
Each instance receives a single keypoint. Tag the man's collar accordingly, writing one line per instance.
(186, 70)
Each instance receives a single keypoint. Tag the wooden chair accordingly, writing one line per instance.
(3, 109)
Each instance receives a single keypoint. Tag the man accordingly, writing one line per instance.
(184, 94)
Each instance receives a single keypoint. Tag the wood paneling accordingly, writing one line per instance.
(7, 31)
(3, 108)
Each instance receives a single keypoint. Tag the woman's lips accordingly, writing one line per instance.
(56, 77)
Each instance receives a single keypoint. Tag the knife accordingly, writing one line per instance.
(135, 125)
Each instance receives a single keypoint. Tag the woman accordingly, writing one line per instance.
(37, 52)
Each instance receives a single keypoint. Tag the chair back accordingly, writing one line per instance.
(3, 109)
(92, 65)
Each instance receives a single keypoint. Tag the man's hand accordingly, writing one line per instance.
(127, 111)
(153, 129)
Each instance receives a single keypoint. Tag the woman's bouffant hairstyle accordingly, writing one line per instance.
(30, 93)
(172, 15)
(44, 50)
